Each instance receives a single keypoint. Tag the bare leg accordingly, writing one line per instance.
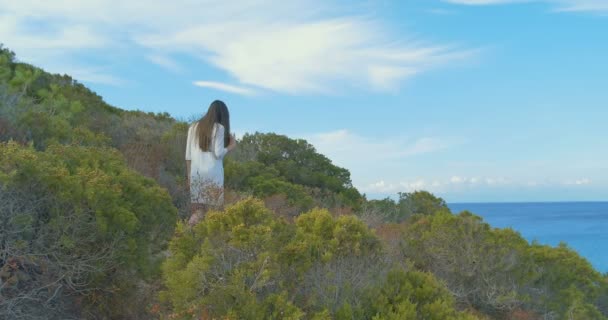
(198, 213)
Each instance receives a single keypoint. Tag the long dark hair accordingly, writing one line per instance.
(217, 113)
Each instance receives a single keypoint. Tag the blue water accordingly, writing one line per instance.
(582, 225)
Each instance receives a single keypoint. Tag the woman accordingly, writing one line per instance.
(209, 140)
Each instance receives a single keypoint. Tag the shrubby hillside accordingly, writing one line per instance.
(92, 202)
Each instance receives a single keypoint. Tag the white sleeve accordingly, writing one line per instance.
(218, 142)
(188, 144)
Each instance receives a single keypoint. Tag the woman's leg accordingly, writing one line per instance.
(198, 211)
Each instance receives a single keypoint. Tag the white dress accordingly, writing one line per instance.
(206, 167)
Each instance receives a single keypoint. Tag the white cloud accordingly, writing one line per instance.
(441, 12)
(456, 183)
(381, 187)
(583, 5)
(84, 73)
(292, 55)
(456, 179)
(224, 87)
(484, 2)
(30, 42)
(450, 184)
(368, 158)
(385, 77)
(561, 5)
(165, 62)
(582, 181)
(352, 150)
(286, 46)
(578, 182)
(50, 47)
(88, 74)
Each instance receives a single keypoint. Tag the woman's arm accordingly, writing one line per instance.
(188, 154)
(218, 142)
(188, 171)
(232, 143)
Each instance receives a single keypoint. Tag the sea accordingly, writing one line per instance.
(581, 225)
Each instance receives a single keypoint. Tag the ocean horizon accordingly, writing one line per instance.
(582, 225)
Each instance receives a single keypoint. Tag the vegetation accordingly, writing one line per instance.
(246, 263)
(92, 202)
(497, 272)
(78, 227)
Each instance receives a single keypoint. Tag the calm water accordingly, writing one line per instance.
(582, 225)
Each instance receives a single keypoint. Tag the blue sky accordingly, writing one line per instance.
(474, 100)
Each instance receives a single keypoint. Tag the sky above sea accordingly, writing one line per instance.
(473, 100)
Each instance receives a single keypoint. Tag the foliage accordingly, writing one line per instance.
(567, 287)
(41, 270)
(420, 202)
(408, 205)
(263, 181)
(498, 272)
(482, 267)
(246, 263)
(414, 295)
(97, 208)
(377, 212)
(297, 162)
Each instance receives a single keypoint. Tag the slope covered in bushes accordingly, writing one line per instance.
(91, 198)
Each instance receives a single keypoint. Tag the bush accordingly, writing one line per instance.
(414, 295)
(97, 225)
(247, 263)
(483, 267)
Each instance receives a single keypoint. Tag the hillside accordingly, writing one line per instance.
(92, 202)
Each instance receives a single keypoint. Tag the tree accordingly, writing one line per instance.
(483, 267)
(420, 202)
(7, 58)
(297, 162)
(376, 212)
(567, 285)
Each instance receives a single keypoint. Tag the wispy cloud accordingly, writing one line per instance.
(165, 62)
(485, 2)
(15, 31)
(287, 54)
(88, 74)
(583, 5)
(53, 46)
(578, 182)
(441, 12)
(84, 73)
(369, 157)
(224, 87)
(435, 185)
(458, 183)
(384, 187)
(292, 47)
(346, 147)
(560, 5)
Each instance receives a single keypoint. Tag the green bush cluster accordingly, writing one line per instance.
(496, 271)
(245, 263)
(96, 224)
(294, 161)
